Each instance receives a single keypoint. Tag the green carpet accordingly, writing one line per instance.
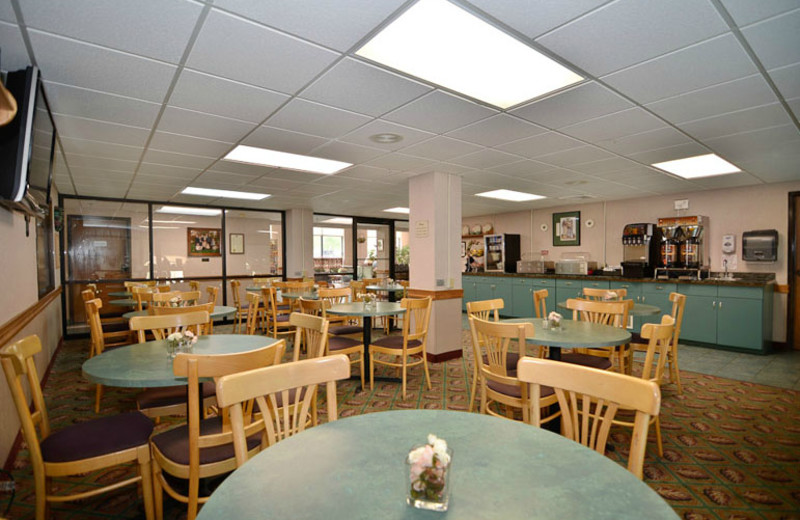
(732, 449)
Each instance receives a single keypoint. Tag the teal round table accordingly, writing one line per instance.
(355, 468)
(638, 309)
(121, 294)
(574, 334)
(125, 302)
(220, 311)
(145, 365)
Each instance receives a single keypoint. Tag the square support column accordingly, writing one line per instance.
(299, 243)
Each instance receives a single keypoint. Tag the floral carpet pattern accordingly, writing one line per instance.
(731, 448)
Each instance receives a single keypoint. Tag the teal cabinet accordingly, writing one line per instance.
(656, 294)
(522, 295)
(595, 284)
(470, 289)
(566, 289)
(501, 288)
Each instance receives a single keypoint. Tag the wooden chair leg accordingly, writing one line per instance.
(674, 372)
(98, 394)
(427, 374)
(361, 367)
(193, 496)
(158, 491)
(474, 389)
(41, 496)
(483, 398)
(372, 372)
(146, 472)
(660, 445)
(404, 378)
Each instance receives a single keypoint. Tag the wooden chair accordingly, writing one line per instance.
(194, 285)
(658, 348)
(485, 310)
(292, 383)
(143, 296)
(254, 310)
(162, 326)
(209, 450)
(590, 293)
(310, 331)
(90, 293)
(357, 288)
(499, 383)
(614, 313)
(336, 344)
(589, 399)
(276, 318)
(267, 281)
(213, 294)
(185, 297)
(412, 342)
(241, 310)
(74, 450)
(540, 302)
(342, 325)
(207, 328)
(678, 305)
(101, 340)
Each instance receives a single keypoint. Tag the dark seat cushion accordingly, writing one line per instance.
(97, 437)
(174, 444)
(396, 342)
(339, 343)
(282, 318)
(587, 360)
(279, 398)
(345, 330)
(514, 390)
(511, 360)
(170, 395)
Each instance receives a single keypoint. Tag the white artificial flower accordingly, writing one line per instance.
(175, 336)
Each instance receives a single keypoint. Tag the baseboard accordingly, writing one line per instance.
(446, 356)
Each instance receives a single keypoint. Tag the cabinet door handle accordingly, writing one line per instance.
(494, 287)
(714, 304)
(720, 305)
(644, 298)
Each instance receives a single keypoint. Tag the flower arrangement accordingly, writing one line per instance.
(429, 464)
(178, 340)
(176, 301)
(367, 298)
(554, 320)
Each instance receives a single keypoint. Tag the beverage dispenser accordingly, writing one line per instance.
(683, 245)
(640, 249)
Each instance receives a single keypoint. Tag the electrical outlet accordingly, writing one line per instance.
(440, 282)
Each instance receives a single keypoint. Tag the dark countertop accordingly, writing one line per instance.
(742, 279)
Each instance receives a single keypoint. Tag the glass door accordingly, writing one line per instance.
(374, 248)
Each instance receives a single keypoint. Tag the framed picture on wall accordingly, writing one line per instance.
(380, 244)
(567, 228)
(203, 241)
(237, 243)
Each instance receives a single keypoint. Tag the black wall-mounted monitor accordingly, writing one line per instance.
(16, 138)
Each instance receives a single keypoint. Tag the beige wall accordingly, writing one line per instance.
(733, 210)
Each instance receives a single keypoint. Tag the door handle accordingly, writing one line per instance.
(714, 304)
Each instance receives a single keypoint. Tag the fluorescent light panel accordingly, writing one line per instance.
(189, 211)
(698, 166)
(290, 161)
(337, 220)
(439, 42)
(398, 210)
(228, 194)
(514, 196)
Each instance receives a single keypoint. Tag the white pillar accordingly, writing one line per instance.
(435, 266)
(299, 243)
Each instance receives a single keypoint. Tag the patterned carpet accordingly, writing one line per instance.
(732, 449)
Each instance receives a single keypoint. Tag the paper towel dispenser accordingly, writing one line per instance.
(760, 245)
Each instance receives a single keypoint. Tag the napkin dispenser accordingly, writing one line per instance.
(760, 245)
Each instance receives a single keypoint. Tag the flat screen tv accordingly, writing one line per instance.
(16, 138)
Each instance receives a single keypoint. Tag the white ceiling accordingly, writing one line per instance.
(148, 95)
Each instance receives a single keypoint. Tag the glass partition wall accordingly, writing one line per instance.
(108, 242)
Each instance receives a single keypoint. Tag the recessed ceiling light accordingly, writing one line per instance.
(515, 196)
(698, 166)
(337, 220)
(180, 210)
(398, 210)
(228, 194)
(386, 138)
(290, 161)
(439, 42)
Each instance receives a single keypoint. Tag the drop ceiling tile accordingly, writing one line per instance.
(652, 140)
(79, 128)
(233, 179)
(732, 180)
(670, 153)
(283, 140)
(714, 61)
(497, 130)
(275, 185)
(715, 100)
(613, 126)
(157, 179)
(398, 161)
(582, 154)
(101, 149)
(7, 13)
(441, 148)
(253, 170)
(176, 172)
(626, 32)
(532, 18)
(439, 112)
(368, 173)
(443, 167)
(541, 144)
(486, 179)
(776, 41)
(781, 165)
(737, 122)
(362, 135)
(745, 12)
(787, 79)
(485, 158)
(759, 144)
(315, 119)
(15, 55)
(222, 97)
(794, 106)
(295, 176)
(360, 87)
(157, 29)
(521, 168)
(338, 25)
(176, 159)
(197, 124)
(83, 175)
(234, 48)
(348, 152)
(188, 145)
(585, 101)
(103, 163)
(80, 102)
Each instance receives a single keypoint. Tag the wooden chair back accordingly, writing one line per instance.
(613, 313)
(485, 309)
(678, 305)
(163, 288)
(415, 320)
(313, 307)
(142, 295)
(357, 288)
(213, 293)
(659, 341)
(589, 399)
(591, 293)
(235, 286)
(162, 326)
(95, 326)
(130, 285)
(293, 383)
(491, 341)
(540, 302)
(207, 328)
(371, 281)
(335, 296)
(311, 332)
(185, 297)
(267, 281)
(272, 312)
(253, 312)
(300, 286)
(194, 285)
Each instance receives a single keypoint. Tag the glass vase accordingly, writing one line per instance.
(172, 348)
(428, 486)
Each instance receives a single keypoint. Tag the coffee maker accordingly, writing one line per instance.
(684, 252)
(640, 249)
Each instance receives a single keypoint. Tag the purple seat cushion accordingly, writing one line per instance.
(338, 343)
(514, 390)
(170, 395)
(282, 318)
(512, 358)
(395, 342)
(345, 330)
(587, 360)
(174, 444)
(97, 437)
(279, 398)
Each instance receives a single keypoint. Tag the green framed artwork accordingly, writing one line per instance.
(203, 241)
(567, 228)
